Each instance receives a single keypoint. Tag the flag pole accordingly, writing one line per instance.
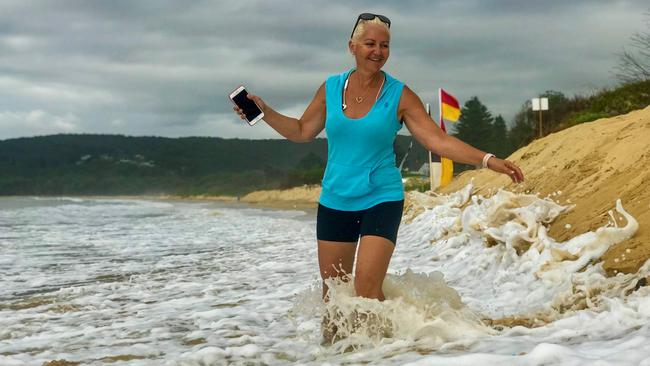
(440, 122)
(441, 125)
(440, 109)
(540, 118)
(430, 159)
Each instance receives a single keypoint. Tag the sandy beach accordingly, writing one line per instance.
(305, 196)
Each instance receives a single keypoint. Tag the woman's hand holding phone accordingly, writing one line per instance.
(249, 107)
(260, 103)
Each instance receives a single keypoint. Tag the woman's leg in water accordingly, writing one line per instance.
(335, 259)
(372, 263)
(373, 258)
(379, 226)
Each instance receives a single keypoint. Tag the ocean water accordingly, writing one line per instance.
(473, 281)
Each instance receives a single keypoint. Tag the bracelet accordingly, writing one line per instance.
(486, 157)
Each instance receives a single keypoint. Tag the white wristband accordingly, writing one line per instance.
(486, 158)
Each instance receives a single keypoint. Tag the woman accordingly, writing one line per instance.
(362, 192)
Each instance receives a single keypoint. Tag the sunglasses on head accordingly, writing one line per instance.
(370, 16)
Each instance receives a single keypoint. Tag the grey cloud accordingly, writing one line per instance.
(165, 67)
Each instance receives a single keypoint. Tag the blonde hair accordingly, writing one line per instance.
(361, 27)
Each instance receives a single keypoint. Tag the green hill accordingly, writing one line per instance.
(113, 164)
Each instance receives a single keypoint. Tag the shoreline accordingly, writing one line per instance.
(302, 197)
(288, 204)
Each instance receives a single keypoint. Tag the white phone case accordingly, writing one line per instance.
(240, 89)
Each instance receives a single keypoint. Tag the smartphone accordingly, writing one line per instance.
(252, 112)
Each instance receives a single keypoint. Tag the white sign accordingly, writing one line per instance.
(540, 103)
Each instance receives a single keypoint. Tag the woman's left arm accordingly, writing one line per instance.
(426, 131)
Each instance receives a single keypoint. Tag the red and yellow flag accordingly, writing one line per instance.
(450, 111)
(449, 107)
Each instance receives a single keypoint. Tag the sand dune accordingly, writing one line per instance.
(591, 166)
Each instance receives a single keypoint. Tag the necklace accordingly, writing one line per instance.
(359, 99)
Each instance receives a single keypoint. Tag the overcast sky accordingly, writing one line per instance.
(165, 68)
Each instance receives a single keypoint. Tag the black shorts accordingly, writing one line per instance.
(381, 220)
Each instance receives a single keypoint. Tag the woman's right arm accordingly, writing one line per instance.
(304, 129)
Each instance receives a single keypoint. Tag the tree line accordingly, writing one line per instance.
(89, 164)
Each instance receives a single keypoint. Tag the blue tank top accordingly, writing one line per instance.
(361, 169)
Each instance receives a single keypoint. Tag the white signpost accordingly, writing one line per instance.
(540, 104)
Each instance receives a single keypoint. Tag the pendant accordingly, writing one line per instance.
(359, 99)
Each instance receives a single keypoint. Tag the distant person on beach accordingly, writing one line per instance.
(362, 196)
